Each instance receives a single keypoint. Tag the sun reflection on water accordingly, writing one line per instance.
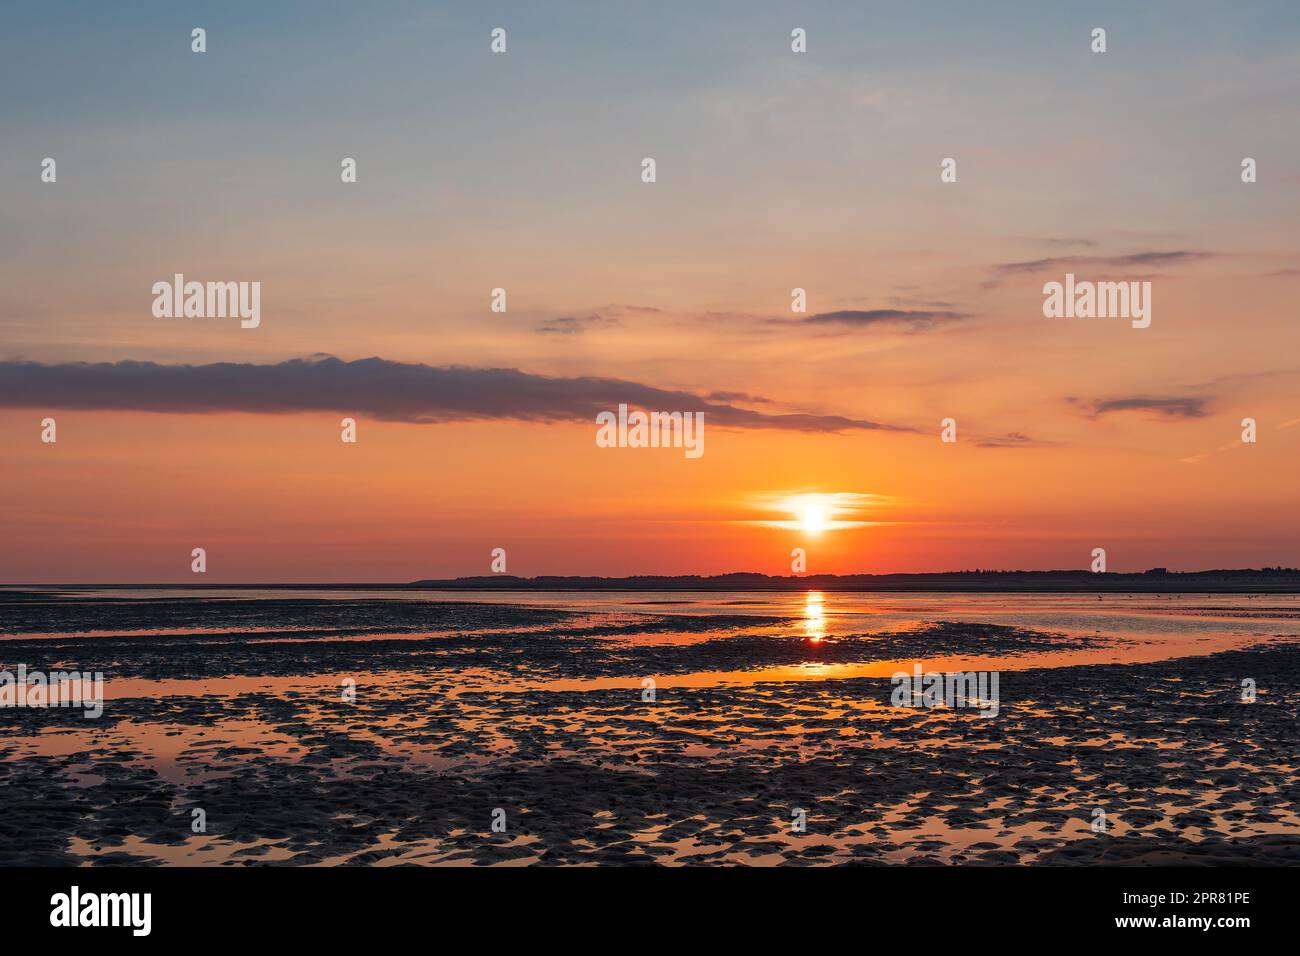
(814, 617)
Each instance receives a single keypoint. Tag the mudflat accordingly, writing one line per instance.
(370, 728)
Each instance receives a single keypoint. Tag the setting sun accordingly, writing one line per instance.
(813, 517)
(813, 513)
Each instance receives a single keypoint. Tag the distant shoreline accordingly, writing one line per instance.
(1234, 581)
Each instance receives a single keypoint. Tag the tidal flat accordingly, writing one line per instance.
(319, 727)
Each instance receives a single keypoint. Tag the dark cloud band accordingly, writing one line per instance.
(375, 387)
(1194, 407)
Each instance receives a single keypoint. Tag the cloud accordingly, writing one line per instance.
(1010, 440)
(1134, 260)
(1069, 241)
(1164, 407)
(1235, 443)
(744, 398)
(860, 318)
(636, 309)
(373, 387)
(574, 325)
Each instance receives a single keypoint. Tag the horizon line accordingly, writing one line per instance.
(1076, 578)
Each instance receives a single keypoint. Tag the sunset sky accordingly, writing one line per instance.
(522, 170)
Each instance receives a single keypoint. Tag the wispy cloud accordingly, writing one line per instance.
(1135, 260)
(374, 387)
(913, 319)
(743, 398)
(1068, 241)
(1235, 443)
(575, 325)
(1010, 440)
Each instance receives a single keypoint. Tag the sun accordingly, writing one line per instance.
(814, 513)
(814, 516)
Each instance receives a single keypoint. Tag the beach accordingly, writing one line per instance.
(316, 726)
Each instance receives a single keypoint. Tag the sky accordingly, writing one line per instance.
(522, 170)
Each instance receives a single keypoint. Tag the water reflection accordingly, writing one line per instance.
(814, 617)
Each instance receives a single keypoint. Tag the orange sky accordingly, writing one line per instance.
(924, 299)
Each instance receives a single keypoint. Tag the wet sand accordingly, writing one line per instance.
(762, 706)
